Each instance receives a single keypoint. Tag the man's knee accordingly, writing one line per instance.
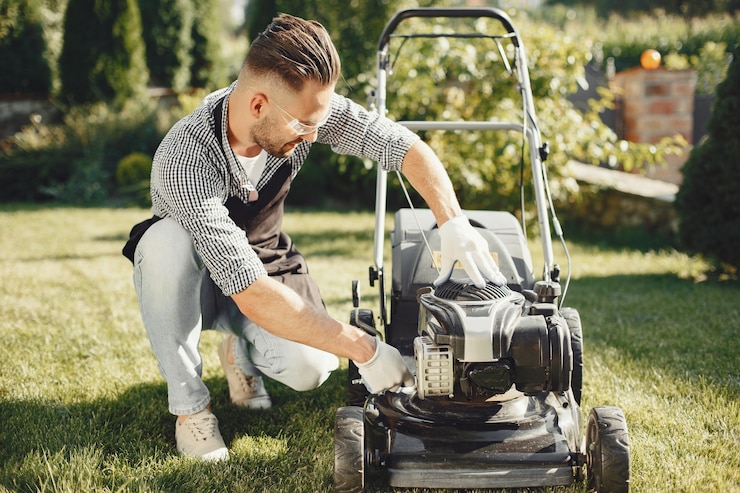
(305, 369)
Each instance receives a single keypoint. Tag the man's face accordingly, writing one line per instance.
(292, 118)
(270, 136)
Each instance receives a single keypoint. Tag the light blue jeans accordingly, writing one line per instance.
(178, 300)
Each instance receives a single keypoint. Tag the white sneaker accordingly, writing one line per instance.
(244, 390)
(198, 436)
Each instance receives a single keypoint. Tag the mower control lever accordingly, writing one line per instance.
(544, 151)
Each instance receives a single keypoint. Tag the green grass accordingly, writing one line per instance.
(83, 408)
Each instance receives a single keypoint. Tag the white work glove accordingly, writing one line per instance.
(386, 370)
(460, 241)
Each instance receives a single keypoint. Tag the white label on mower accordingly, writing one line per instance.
(478, 339)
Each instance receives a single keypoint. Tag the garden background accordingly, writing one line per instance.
(82, 406)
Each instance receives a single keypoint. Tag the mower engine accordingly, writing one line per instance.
(475, 344)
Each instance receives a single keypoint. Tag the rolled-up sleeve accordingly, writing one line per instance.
(353, 130)
(188, 188)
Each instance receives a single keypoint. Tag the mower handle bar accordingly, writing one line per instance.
(464, 125)
(528, 127)
(444, 13)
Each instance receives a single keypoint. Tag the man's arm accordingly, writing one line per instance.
(282, 312)
(427, 175)
(279, 310)
(459, 240)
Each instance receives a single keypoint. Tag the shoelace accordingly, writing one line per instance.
(247, 383)
(202, 428)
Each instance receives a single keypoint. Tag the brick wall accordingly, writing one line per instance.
(654, 104)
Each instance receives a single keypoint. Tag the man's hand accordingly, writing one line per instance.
(460, 241)
(386, 370)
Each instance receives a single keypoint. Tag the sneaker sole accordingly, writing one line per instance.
(218, 455)
(255, 403)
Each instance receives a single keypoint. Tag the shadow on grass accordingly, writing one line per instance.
(121, 238)
(132, 431)
(684, 330)
(61, 257)
(32, 206)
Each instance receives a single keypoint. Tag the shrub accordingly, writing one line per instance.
(707, 199)
(103, 57)
(688, 8)
(75, 161)
(166, 26)
(132, 176)
(22, 47)
(133, 169)
(25, 174)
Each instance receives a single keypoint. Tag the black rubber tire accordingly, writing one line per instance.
(573, 318)
(607, 451)
(349, 450)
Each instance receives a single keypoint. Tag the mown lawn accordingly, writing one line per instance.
(83, 408)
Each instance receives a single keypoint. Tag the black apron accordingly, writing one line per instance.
(261, 221)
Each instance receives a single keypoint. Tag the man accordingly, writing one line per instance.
(214, 256)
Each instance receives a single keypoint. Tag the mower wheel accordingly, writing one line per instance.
(573, 318)
(607, 451)
(349, 450)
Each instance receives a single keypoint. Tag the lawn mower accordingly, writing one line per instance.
(498, 369)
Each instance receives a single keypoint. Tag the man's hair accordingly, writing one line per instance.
(294, 50)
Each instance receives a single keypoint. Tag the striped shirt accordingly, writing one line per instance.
(195, 172)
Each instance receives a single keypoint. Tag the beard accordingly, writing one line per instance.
(264, 136)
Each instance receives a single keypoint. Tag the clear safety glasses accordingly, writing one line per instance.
(299, 127)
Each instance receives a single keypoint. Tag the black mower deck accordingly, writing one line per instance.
(517, 443)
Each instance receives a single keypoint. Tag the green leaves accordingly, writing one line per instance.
(707, 200)
(451, 79)
(103, 57)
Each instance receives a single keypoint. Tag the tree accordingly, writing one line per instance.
(166, 26)
(207, 69)
(707, 201)
(257, 15)
(22, 47)
(103, 56)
